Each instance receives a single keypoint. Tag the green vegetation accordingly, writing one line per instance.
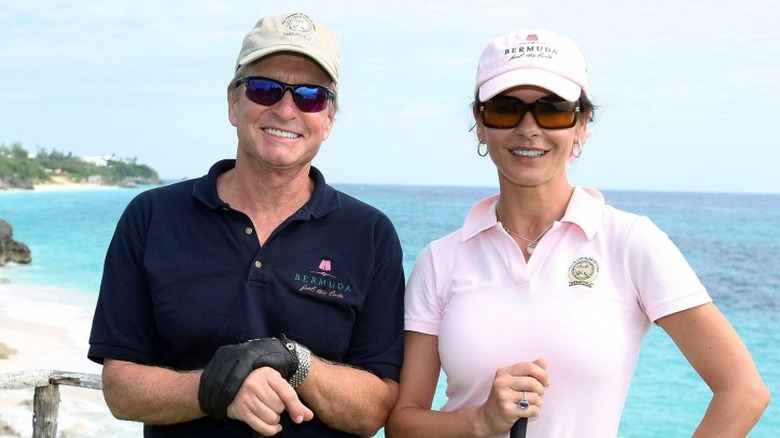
(18, 168)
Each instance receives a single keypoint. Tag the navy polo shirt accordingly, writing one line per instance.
(185, 274)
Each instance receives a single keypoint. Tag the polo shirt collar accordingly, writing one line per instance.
(205, 188)
(324, 199)
(481, 217)
(584, 210)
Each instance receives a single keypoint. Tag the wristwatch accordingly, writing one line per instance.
(304, 363)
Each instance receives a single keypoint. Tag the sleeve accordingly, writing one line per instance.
(666, 282)
(423, 309)
(123, 323)
(377, 340)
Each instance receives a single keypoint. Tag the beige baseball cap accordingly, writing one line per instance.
(295, 32)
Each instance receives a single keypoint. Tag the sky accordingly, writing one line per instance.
(686, 91)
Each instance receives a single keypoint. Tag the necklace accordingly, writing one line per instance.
(531, 243)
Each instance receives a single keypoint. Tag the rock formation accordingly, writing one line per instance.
(11, 250)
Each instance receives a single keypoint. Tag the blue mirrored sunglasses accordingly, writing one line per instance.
(265, 91)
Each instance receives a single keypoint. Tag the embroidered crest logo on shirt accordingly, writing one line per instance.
(583, 272)
(325, 265)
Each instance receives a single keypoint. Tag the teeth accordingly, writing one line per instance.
(523, 153)
(280, 133)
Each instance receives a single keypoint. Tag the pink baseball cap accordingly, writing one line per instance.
(537, 57)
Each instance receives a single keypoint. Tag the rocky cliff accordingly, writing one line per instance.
(11, 250)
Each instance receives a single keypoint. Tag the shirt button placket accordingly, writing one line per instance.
(249, 231)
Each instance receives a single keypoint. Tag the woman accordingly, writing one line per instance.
(537, 306)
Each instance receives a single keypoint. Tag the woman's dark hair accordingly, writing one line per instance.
(587, 108)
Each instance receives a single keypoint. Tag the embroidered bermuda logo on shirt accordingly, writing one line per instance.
(583, 272)
(322, 282)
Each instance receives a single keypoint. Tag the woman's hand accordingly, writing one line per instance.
(522, 382)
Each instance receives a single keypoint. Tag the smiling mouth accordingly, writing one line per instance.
(280, 133)
(528, 154)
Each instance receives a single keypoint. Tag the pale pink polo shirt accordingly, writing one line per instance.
(584, 301)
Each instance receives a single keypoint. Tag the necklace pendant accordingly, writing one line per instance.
(531, 247)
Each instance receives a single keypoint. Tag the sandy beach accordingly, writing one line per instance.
(46, 328)
(60, 183)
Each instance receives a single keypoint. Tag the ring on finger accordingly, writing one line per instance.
(524, 404)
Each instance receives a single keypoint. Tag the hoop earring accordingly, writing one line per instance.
(480, 151)
(576, 148)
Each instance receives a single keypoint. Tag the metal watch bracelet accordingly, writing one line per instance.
(304, 363)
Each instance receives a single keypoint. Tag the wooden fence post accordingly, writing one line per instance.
(46, 402)
(46, 405)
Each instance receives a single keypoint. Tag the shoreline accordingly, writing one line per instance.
(59, 183)
(47, 328)
(57, 186)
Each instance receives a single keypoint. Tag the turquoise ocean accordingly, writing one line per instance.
(731, 240)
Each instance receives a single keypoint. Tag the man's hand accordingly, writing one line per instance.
(262, 400)
(231, 364)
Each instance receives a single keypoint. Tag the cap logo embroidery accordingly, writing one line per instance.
(583, 272)
(299, 25)
(531, 48)
(532, 37)
(325, 265)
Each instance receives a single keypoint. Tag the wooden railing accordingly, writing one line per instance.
(46, 402)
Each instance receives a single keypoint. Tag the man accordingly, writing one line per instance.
(257, 297)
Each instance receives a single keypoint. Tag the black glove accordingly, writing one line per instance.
(231, 364)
